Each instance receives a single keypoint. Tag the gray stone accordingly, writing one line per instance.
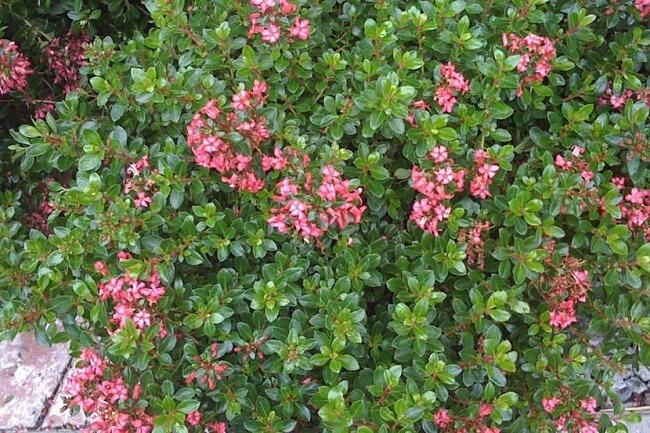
(29, 376)
(619, 382)
(629, 371)
(596, 340)
(643, 373)
(636, 385)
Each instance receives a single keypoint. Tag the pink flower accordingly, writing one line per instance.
(636, 196)
(563, 315)
(619, 181)
(484, 410)
(219, 427)
(542, 68)
(43, 107)
(142, 319)
(65, 57)
(300, 29)
(589, 404)
(287, 8)
(241, 101)
(445, 98)
(452, 81)
(442, 419)
(194, 418)
(577, 151)
(589, 428)
(271, 34)
(123, 255)
(136, 391)
(264, 5)
(211, 109)
(549, 404)
(143, 200)
(442, 212)
(562, 163)
(410, 119)
(420, 105)
(259, 90)
(643, 6)
(14, 68)
(122, 313)
(101, 268)
(535, 50)
(445, 175)
(455, 79)
(439, 154)
(301, 211)
(524, 60)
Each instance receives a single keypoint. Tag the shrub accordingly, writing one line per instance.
(344, 216)
(48, 36)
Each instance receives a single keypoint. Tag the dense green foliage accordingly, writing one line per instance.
(537, 178)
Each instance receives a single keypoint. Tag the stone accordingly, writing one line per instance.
(619, 382)
(58, 415)
(629, 371)
(596, 340)
(636, 385)
(625, 393)
(643, 373)
(30, 374)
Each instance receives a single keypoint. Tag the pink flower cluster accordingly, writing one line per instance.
(300, 207)
(43, 107)
(440, 183)
(447, 423)
(643, 6)
(483, 175)
(267, 22)
(618, 100)
(140, 181)
(569, 287)
(437, 185)
(65, 56)
(452, 82)
(575, 163)
(110, 403)
(307, 211)
(537, 53)
(206, 136)
(14, 68)
(195, 418)
(442, 419)
(635, 207)
(38, 218)
(577, 420)
(133, 298)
